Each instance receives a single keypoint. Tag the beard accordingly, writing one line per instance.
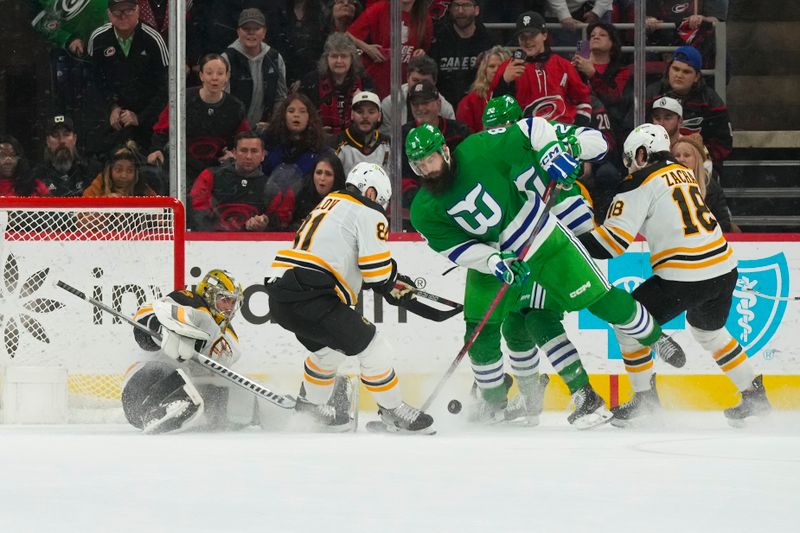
(440, 183)
(62, 158)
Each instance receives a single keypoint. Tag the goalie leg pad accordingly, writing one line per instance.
(172, 404)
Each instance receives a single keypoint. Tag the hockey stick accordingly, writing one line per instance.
(285, 401)
(771, 297)
(428, 312)
(438, 299)
(549, 200)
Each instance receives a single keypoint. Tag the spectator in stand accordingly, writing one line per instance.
(298, 29)
(694, 24)
(63, 170)
(69, 26)
(331, 86)
(230, 197)
(470, 108)
(328, 176)
(121, 176)
(668, 113)
(545, 84)
(258, 72)
(294, 142)
(604, 71)
(130, 64)
(704, 112)
(371, 33)
(571, 13)
(213, 24)
(362, 141)
(16, 178)
(419, 69)
(426, 109)
(342, 14)
(690, 152)
(506, 11)
(458, 41)
(156, 14)
(213, 118)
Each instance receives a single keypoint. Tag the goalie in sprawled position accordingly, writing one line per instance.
(163, 393)
(340, 247)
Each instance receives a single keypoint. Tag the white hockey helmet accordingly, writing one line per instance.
(365, 175)
(652, 137)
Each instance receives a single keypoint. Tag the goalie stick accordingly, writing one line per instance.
(284, 401)
(549, 200)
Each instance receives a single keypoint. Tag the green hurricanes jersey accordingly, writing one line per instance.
(492, 204)
(62, 21)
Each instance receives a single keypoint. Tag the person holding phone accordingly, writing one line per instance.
(545, 84)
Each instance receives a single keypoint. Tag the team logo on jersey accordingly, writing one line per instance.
(478, 212)
(756, 311)
(110, 51)
(72, 8)
(547, 107)
(18, 305)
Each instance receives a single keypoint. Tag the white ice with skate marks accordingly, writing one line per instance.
(696, 474)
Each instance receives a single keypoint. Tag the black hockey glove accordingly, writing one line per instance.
(399, 291)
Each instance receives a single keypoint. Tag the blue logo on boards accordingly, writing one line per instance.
(753, 320)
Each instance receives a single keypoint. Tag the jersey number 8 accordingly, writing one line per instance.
(698, 212)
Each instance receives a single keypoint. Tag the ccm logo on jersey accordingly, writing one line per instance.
(580, 290)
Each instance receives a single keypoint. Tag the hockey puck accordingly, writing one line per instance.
(454, 407)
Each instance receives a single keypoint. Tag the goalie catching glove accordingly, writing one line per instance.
(507, 267)
(184, 330)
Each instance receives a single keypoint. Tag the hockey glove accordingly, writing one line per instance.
(507, 267)
(179, 347)
(401, 291)
(561, 167)
(572, 144)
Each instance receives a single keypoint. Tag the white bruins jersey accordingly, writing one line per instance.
(346, 236)
(663, 202)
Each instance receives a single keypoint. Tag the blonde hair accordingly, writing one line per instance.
(482, 83)
(695, 141)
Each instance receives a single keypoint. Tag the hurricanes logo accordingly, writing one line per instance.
(72, 8)
(754, 319)
(16, 299)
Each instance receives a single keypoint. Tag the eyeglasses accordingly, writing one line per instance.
(462, 6)
(119, 13)
(12, 157)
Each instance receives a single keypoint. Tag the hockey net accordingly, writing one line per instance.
(121, 251)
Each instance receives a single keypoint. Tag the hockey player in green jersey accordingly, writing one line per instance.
(68, 25)
(479, 209)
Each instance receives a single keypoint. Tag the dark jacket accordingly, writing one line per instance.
(69, 183)
(223, 199)
(334, 102)
(241, 79)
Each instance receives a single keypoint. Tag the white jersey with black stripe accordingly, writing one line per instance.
(663, 202)
(346, 236)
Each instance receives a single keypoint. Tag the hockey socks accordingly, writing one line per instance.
(728, 354)
(319, 374)
(377, 373)
(563, 355)
(628, 316)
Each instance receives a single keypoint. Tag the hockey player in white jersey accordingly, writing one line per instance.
(340, 247)
(165, 393)
(694, 269)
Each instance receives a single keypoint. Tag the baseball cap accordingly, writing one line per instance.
(530, 22)
(59, 121)
(670, 104)
(366, 96)
(114, 3)
(424, 91)
(252, 14)
(688, 55)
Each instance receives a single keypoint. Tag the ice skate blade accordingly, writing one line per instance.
(749, 422)
(375, 426)
(592, 420)
(523, 421)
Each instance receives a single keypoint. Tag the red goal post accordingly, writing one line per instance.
(123, 251)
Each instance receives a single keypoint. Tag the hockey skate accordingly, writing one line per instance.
(669, 351)
(403, 419)
(335, 415)
(526, 407)
(590, 409)
(485, 412)
(640, 408)
(754, 402)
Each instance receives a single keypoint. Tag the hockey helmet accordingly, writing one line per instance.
(365, 175)
(222, 293)
(501, 110)
(652, 137)
(421, 143)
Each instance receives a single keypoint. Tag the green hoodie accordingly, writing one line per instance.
(62, 21)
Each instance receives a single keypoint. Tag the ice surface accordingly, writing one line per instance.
(694, 474)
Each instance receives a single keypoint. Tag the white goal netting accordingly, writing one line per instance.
(121, 251)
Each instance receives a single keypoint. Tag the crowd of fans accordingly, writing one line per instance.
(285, 97)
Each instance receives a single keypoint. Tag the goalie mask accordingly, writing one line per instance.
(221, 292)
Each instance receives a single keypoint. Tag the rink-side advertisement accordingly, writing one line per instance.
(763, 318)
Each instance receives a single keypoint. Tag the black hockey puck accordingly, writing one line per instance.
(454, 406)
